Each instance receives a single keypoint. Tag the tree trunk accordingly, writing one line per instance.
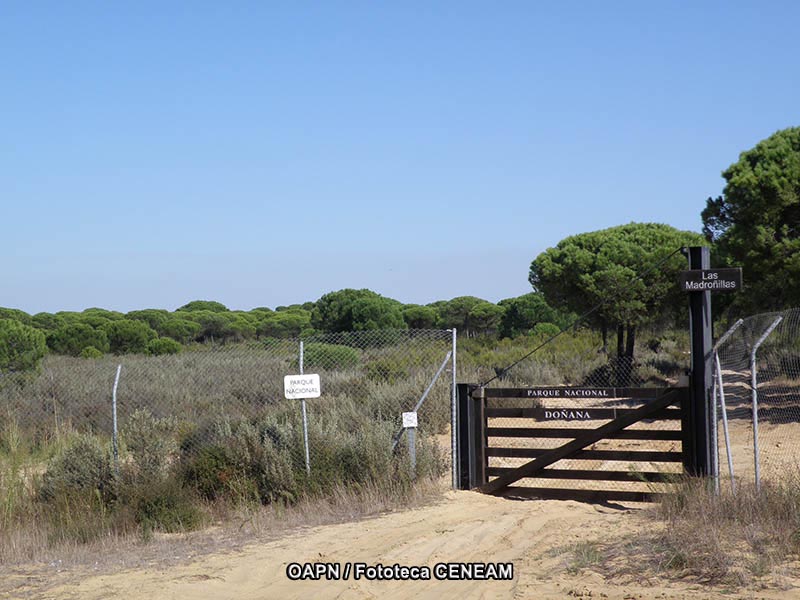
(620, 340)
(631, 341)
(604, 332)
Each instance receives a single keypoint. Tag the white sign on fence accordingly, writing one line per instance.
(409, 420)
(296, 387)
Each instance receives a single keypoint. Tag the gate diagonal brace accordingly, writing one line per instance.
(531, 468)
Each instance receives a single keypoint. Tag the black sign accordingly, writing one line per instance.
(711, 280)
(566, 392)
(571, 414)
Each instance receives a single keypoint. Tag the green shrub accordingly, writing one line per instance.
(209, 471)
(266, 465)
(165, 345)
(288, 323)
(127, 336)
(151, 443)
(545, 330)
(91, 352)
(21, 346)
(386, 370)
(73, 337)
(329, 356)
(164, 506)
(198, 305)
(84, 464)
(180, 330)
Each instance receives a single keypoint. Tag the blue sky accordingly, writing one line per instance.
(266, 153)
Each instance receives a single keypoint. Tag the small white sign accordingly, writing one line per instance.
(409, 420)
(296, 387)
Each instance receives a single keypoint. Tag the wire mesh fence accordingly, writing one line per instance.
(757, 397)
(219, 410)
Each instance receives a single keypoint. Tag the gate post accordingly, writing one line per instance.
(697, 417)
(471, 444)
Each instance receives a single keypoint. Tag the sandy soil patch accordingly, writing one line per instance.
(536, 536)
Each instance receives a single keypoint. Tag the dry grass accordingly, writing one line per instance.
(741, 540)
(230, 527)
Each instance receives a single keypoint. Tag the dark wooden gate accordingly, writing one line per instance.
(593, 444)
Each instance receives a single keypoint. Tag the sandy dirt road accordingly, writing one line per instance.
(535, 536)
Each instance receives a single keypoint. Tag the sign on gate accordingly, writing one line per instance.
(296, 387)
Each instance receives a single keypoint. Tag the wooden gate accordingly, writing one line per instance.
(592, 444)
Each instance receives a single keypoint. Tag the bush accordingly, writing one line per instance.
(265, 465)
(72, 338)
(329, 356)
(127, 336)
(209, 471)
(241, 461)
(545, 330)
(21, 347)
(160, 346)
(151, 443)
(91, 352)
(198, 305)
(288, 323)
(180, 330)
(84, 464)
(386, 370)
(164, 506)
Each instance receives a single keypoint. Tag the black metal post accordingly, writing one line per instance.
(478, 438)
(702, 369)
(470, 438)
(464, 435)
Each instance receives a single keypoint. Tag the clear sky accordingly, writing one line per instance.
(265, 153)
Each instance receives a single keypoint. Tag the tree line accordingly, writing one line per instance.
(24, 338)
(606, 275)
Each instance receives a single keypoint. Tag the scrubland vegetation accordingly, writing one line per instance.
(207, 432)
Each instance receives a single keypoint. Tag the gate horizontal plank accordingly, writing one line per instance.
(575, 392)
(553, 432)
(597, 413)
(592, 474)
(627, 455)
(580, 495)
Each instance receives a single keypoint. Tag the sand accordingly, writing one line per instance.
(536, 536)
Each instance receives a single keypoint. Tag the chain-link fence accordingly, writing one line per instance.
(757, 397)
(219, 411)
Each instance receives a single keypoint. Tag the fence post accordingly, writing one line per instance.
(463, 431)
(714, 435)
(719, 385)
(114, 438)
(410, 427)
(700, 325)
(724, 410)
(454, 416)
(471, 447)
(411, 432)
(754, 386)
(305, 416)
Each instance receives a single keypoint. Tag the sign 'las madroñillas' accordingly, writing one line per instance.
(711, 280)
